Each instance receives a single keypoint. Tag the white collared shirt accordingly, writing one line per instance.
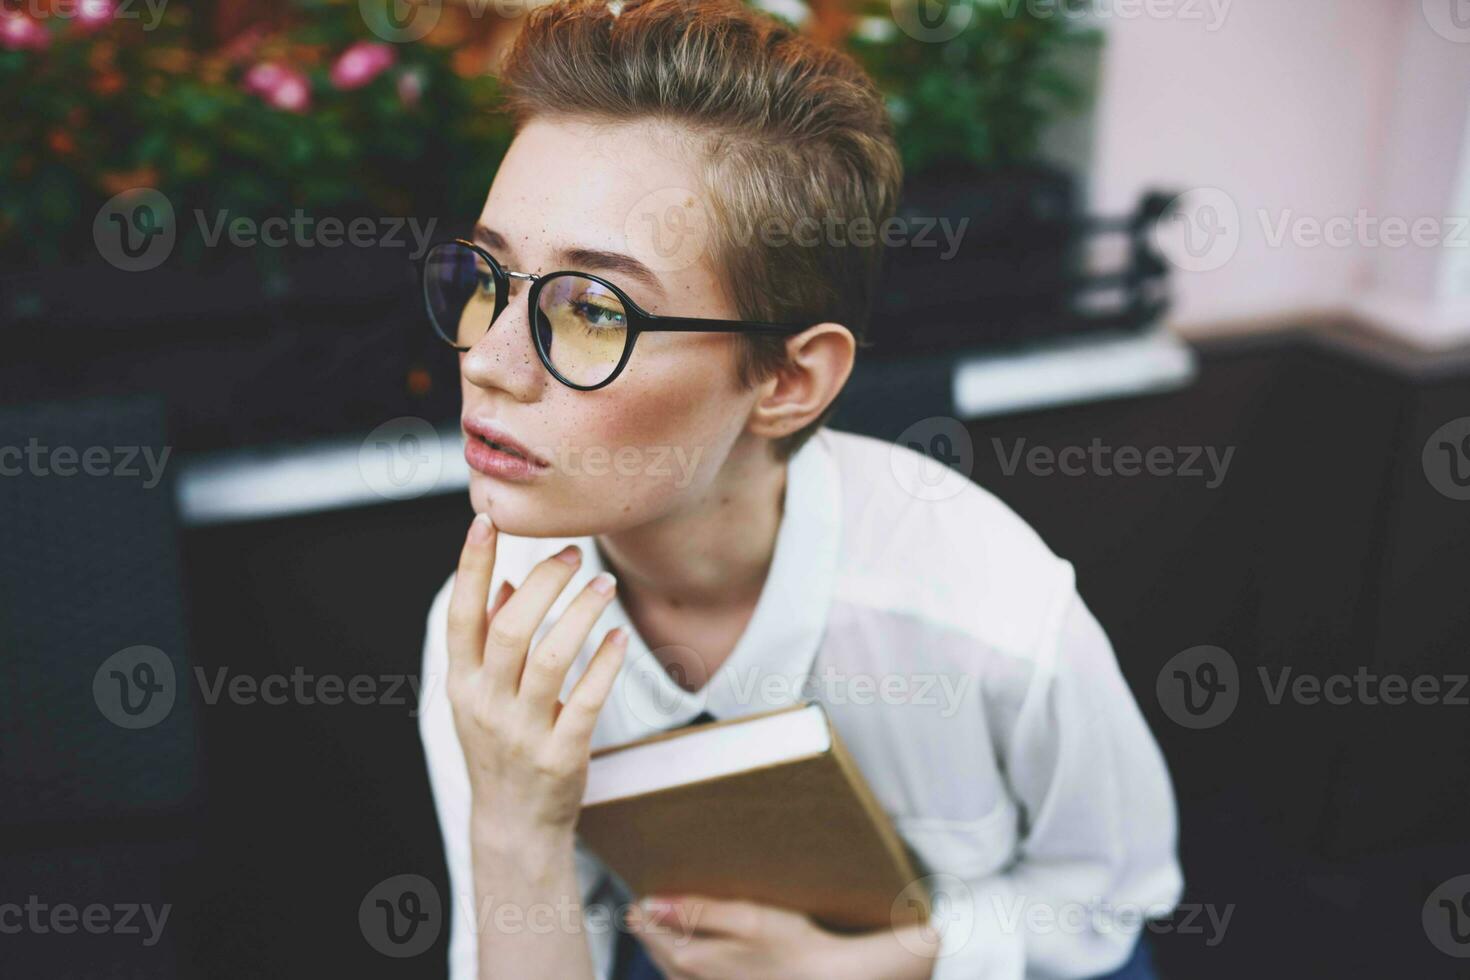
(975, 690)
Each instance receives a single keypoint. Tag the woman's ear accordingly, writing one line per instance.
(818, 362)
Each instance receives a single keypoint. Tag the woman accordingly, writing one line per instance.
(694, 207)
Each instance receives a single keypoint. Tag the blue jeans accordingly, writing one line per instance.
(634, 964)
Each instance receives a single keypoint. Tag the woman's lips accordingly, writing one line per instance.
(504, 464)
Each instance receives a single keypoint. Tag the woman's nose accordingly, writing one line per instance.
(504, 357)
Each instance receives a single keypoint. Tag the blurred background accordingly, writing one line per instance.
(1186, 283)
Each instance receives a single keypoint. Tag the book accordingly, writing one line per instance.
(768, 808)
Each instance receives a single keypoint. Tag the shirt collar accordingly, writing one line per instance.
(784, 631)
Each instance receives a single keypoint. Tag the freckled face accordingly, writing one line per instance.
(655, 438)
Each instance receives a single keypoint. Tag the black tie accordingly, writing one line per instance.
(630, 961)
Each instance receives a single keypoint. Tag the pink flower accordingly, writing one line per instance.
(410, 87)
(285, 88)
(18, 33)
(94, 14)
(292, 93)
(361, 63)
(264, 77)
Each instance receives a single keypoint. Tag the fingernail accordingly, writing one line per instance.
(618, 637)
(571, 554)
(604, 583)
(480, 528)
(651, 904)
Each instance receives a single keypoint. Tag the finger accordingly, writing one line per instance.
(679, 953)
(505, 591)
(547, 665)
(709, 916)
(465, 631)
(509, 632)
(579, 715)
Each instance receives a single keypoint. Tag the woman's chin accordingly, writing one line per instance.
(522, 512)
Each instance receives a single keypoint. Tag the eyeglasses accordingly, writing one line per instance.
(583, 327)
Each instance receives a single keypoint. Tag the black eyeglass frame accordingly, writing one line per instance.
(639, 320)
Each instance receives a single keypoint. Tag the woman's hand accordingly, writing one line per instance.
(695, 938)
(526, 752)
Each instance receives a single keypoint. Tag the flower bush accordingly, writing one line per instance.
(321, 116)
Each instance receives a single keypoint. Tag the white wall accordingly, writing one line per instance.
(1293, 109)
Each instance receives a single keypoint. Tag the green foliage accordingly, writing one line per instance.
(984, 96)
(96, 112)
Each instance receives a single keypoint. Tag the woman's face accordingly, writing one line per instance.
(654, 439)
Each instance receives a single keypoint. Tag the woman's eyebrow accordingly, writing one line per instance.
(579, 257)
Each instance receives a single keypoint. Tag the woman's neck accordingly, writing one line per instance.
(714, 552)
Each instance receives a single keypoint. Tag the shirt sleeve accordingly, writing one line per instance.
(449, 781)
(1097, 853)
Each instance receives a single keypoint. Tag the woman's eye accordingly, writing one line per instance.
(599, 316)
(485, 284)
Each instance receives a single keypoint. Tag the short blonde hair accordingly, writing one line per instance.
(790, 132)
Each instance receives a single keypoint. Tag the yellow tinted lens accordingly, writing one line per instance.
(582, 327)
(459, 290)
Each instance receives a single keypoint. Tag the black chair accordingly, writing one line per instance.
(99, 767)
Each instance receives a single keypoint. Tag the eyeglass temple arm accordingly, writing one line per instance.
(706, 325)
